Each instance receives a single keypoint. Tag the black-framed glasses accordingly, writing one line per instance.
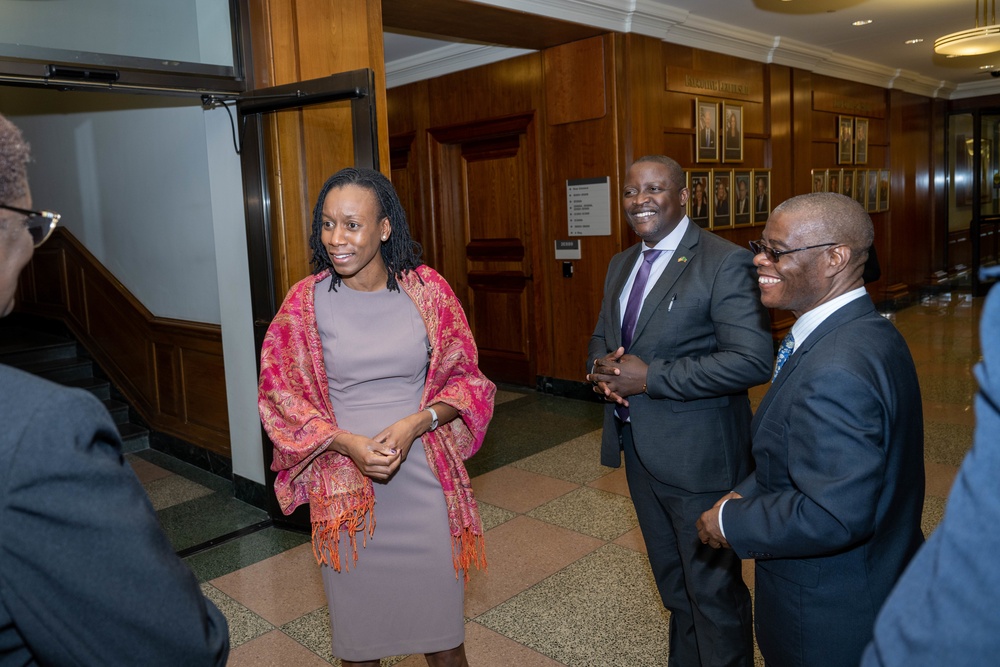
(774, 255)
(40, 224)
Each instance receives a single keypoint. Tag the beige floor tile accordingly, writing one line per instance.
(280, 588)
(960, 414)
(632, 540)
(485, 647)
(146, 471)
(601, 611)
(577, 460)
(522, 552)
(594, 512)
(940, 477)
(614, 482)
(275, 649)
(173, 490)
(518, 490)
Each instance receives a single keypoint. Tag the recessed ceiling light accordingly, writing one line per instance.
(986, 67)
(916, 40)
(862, 22)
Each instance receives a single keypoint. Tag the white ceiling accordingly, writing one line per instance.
(815, 35)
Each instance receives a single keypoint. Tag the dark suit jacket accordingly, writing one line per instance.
(87, 576)
(706, 338)
(832, 513)
(943, 610)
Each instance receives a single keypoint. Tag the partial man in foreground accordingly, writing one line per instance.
(87, 576)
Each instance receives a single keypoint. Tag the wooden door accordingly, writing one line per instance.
(485, 207)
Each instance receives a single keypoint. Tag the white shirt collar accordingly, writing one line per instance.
(806, 324)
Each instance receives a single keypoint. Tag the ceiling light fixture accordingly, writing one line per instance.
(984, 38)
(916, 40)
(867, 21)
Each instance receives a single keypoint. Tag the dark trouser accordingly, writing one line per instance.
(710, 610)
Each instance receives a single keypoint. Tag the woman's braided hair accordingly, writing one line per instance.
(400, 252)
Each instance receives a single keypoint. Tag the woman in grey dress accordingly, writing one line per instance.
(371, 393)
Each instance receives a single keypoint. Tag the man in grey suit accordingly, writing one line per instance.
(674, 357)
(832, 512)
(87, 576)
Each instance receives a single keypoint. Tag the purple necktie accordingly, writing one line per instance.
(632, 309)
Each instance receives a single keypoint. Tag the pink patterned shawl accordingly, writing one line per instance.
(295, 409)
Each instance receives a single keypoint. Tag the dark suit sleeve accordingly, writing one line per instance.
(836, 470)
(88, 577)
(599, 345)
(943, 609)
(743, 352)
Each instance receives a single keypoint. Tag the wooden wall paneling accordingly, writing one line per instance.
(584, 149)
(408, 113)
(574, 82)
(496, 209)
(298, 41)
(506, 88)
(141, 354)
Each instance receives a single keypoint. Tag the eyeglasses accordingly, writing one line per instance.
(40, 224)
(774, 255)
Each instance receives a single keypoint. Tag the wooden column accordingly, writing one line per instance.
(299, 40)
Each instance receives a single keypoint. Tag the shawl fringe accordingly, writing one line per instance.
(358, 516)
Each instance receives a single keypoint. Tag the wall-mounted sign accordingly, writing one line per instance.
(567, 248)
(588, 205)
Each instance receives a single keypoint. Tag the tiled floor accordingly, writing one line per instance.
(568, 581)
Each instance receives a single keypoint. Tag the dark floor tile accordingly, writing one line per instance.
(243, 551)
(203, 519)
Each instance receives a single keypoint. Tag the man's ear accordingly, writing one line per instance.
(839, 259)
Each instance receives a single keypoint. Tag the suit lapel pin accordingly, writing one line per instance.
(682, 259)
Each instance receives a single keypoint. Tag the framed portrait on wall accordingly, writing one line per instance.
(847, 183)
(883, 190)
(861, 187)
(871, 198)
(707, 124)
(732, 132)
(742, 198)
(818, 180)
(761, 195)
(833, 178)
(699, 208)
(722, 209)
(845, 139)
(861, 141)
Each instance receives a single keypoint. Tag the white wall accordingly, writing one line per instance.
(151, 186)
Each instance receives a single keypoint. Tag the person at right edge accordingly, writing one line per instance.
(674, 362)
(943, 609)
(832, 513)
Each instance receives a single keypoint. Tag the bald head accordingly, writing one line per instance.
(14, 157)
(823, 217)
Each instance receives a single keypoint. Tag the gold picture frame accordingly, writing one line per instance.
(845, 139)
(706, 138)
(847, 182)
(761, 195)
(818, 180)
(742, 199)
(699, 206)
(871, 196)
(883, 190)
(860, 141)
(722, 210)
(732, 132)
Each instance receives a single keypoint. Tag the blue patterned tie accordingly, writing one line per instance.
(632, 309)
(784, 351)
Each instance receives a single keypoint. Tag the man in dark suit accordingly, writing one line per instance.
(707, 133)
(87, 576)
(943, 609)
(832, 512)
(675, 366)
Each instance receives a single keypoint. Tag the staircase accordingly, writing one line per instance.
(46, 348)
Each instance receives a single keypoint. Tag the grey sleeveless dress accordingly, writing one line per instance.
(402, 596)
